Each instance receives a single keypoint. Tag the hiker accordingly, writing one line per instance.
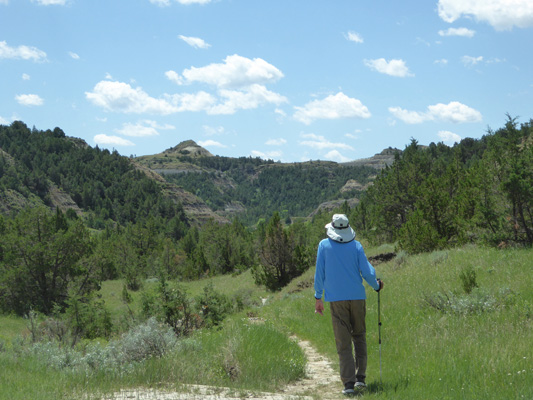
(341, 266)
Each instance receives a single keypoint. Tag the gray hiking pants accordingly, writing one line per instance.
(348, 317)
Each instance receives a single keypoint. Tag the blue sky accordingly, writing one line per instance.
(288, 80)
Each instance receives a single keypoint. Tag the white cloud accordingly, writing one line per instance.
(112, 140)
(26, 77)
(454, 112)
(501, 14)
(166, 3)
(354, 37)
(195, 42)
(187, 2)
(449, 137)
(4, 121)
(335, 155)
(29, 100)
(211, 143)
(213, 131)
(235, 72)
(269, 155)
(73, 55)
(143, 128)
(252, 97)
(471, 61)
(161, 3)
(321, 143)
(121, 97)
(442, 61)
(332, 107)
(173, 76)
(465, 32)
(409, 117)
(276, 142)
(50, 2)
(21, 52)
(393, 67)
(200, 101)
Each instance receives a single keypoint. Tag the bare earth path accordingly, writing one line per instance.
(321, 382)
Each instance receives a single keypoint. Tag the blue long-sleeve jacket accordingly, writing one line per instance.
(340, 270)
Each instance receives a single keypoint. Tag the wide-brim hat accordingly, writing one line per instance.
(339, 229)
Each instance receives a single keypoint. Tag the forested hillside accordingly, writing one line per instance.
(479, 191)
(253, 188)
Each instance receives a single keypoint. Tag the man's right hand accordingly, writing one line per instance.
(319, 307)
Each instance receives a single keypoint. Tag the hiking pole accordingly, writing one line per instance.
(379, 333)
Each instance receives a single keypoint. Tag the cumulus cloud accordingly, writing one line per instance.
(250, 98)
(500, 14)
(449, 137)
(112, 140)
(143, 128)
(187, 2)
(213, 131)
(211, 143)
(50, 2)
(26, 77)
(335, 155)
(393, 67)
(354, 37)
(121, 97)
(21, 52)
(454, 112)
(470, 61)
(29, 100)
(332, 107)
(269, 155)
(465, 32)
(238, 81)
(166, 3)
(276, 142)
(235, 72)
(321, 143)
(195, 42)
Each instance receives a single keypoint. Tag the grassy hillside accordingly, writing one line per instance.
(477, 346)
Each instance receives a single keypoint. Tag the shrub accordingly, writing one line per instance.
(476, 302)
(151, 339)
(213, 306)
(468, 279)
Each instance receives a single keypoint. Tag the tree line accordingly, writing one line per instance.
(478, 191)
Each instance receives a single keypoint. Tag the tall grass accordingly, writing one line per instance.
(431, 354)
(427, 353)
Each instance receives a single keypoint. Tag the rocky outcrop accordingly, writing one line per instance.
(378, 161)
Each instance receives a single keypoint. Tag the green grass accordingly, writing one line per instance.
(426, 353)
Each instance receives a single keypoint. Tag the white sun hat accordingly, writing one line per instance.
(339, 229)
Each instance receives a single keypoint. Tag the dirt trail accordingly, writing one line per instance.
(321, 382)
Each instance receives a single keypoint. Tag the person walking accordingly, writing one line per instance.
(341, 266)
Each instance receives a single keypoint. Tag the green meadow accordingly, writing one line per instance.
(456, 324)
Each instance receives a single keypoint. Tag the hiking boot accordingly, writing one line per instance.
(360, 384)
(348, 388)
